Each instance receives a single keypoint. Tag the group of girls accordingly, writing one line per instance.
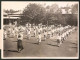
(39, 31)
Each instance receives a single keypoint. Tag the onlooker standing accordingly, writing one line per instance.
(19, 43)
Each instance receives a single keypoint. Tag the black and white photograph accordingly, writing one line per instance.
(40, 29)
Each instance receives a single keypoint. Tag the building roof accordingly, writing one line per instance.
(15, 15)
(11, 18)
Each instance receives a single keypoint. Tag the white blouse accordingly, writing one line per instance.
(21, 36)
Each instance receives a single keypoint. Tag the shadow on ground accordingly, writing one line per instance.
(51, 45)
(11, 50)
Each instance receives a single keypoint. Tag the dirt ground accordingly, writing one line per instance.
(47, 48)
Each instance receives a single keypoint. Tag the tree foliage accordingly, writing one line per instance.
(74, 8)
(33, 13)
(36, 13)
(11, 11)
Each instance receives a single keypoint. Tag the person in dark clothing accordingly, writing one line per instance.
(19, 43)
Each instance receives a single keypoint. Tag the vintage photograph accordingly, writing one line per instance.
(40, 29)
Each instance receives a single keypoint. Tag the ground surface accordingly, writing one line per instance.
(47, 48)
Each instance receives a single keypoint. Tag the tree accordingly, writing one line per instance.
(53, 14)
(11, 11)
(6, 11)
(33, 13)
(54, 8)
(74, 8)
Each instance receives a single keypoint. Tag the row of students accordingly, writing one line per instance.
(13, 31)
(63, 36)
(47, 33)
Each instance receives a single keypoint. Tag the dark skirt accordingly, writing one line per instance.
(19, 44)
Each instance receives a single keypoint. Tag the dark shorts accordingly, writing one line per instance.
(58, 41)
